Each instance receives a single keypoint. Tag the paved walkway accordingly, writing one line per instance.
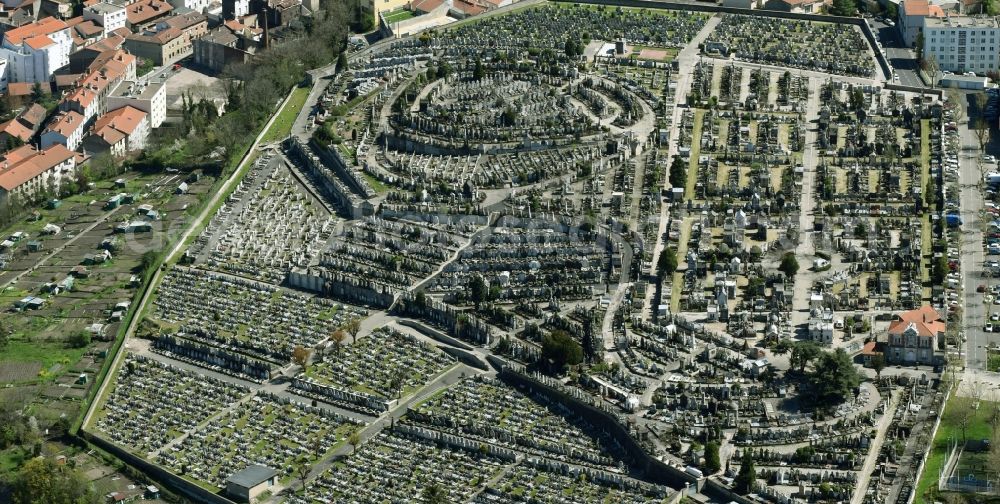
(687, 58)
(861, 488)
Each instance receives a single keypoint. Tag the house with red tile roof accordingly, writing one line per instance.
(105, 73)
(65, 128)
(36, 50)
(145, 13)
(26, 172)
(120, 131)
(915, 337)
(24, 126)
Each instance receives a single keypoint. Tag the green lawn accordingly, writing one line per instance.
(993, 361)
(282, 125)
(49, 354)
(399, 15)
(979, 428)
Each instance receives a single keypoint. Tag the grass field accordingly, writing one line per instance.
(979, 428)
(54, 356)
(282, 125)
(397, 16)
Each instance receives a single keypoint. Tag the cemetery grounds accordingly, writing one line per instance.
(371, 307)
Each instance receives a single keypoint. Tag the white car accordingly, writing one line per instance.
(988, 328)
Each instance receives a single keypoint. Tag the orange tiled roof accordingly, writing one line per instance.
(925, 320)
(46, 26)
(25, 163)
(125, 120)
(916, 8)
(16, 129)
(145, 10)
(65, 123)
(38, 41)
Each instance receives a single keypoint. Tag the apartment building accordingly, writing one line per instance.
(963, 43)
(34, 51)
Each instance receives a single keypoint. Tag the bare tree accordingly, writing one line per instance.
(354, 440)
(932, 69)
(338, 339)
(353, 327)
(981, 124)
(959, 412)
(304, 470)
(958, 102)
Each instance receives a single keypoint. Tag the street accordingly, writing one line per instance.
(902, 58)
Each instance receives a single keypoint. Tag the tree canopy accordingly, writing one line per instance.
(666, 264)
(833, 378)
(560, 348)
(804, 352)
(41, 480)
(789, 264)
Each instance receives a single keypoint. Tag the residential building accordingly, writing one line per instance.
(24, 126)
(120, 131)
(145, 13)
(34, 51)
(66, 129)
(220, 48)
(149, 97)
(109, 16)
(80, 61)
(3, 75)
(84, 32)
(106, 72)
(915, 336)
(24, 172)
(911, 16)
(963, 43)
(193, 24)
(160, 46)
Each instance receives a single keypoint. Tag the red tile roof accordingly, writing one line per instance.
(145, 10)
(65, 123)
(46, 26)
(925, 320)
(39, 41)
(125, 120)
(916, 8)
(23, 88)
(16, 129)
(24, 163)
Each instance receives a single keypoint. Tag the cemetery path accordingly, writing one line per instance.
(744, 84)
(386, 419)
(307, 187)
(234, 210)
(454, 256)
(686, 59)
(874, 450)
(807, 206)
(100, 220)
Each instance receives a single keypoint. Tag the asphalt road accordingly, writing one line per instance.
(972, 254)
(902, 58)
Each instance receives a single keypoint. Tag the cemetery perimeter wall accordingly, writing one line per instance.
(655, 469)
(154, 471)
(702, 7)
(152, 275)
